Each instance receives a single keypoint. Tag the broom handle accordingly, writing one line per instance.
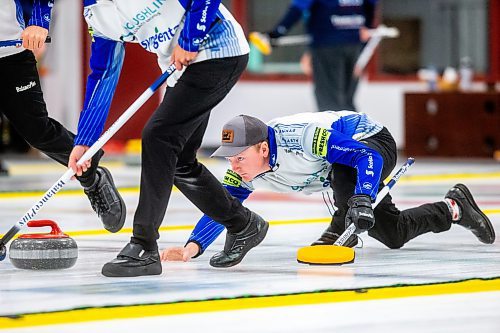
(381, 195)
(59, 184)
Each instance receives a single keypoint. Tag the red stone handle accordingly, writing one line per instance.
(55, 231)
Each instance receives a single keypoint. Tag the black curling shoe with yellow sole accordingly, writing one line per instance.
(472, 217)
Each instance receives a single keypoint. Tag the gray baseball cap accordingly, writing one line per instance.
(240, 133)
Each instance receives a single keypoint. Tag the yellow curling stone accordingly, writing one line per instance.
(325, 255)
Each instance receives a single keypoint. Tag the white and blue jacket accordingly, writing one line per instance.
(16, 15)
(203, 26)
(303, 148)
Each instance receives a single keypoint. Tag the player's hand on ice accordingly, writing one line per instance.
(360, 213)
(180, 253)
(34, 37)
(75, 155)
(181, 57)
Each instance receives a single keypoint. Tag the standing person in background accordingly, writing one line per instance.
(210, 52)
(24, 106)
(339, 29)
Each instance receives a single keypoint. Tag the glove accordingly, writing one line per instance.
(360, 213)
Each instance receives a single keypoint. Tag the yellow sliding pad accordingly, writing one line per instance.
(261, 42)
(325, 255)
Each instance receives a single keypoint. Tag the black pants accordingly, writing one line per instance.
(169, 144)
(392, 227)
(334, 83)
(23, 104)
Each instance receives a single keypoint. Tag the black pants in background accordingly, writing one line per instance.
(170, 140)
(21, 101)
(334, 83)
(392, 227)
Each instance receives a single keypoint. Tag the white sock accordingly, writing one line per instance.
(456, 213)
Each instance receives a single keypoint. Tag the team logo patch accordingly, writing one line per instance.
(91, 33)
(367, 186)
(227, 136)
(231, 178)
(320, 141)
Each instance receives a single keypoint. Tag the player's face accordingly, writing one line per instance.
(251, 162)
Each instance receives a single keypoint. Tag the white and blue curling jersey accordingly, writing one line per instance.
(203, 26)
(12, 20)
(303, 148)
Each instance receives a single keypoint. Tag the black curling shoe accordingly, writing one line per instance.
(472, 217)
(106, 201)
(133, 260)
(237, 245)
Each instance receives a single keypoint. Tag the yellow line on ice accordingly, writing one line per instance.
(405, 179)
(190, 227)
(256, 302)
(29, 194)
(101, 232)
(452, 176)
(48, 167)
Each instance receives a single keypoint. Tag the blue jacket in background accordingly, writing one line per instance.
(329, 22)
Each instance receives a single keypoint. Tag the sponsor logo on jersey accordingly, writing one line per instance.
(350, 2)
(231, 178)
(370, 172)
(199, 41)
(292, 140)
(336, 147)
(144, 16)
(347, 22)
(203, 27)
(26, 87)
(320, 141)
(91, 33)
(290, 129)
(87, 13)
(130, 37)
(153, 42)
(227, 135)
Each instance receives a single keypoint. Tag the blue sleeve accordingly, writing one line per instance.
(292, 16)
(105, 63)
(207, 230)
(368, 163)
(41, 13)
(200, 14)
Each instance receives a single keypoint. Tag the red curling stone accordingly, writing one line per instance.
(53, 250)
